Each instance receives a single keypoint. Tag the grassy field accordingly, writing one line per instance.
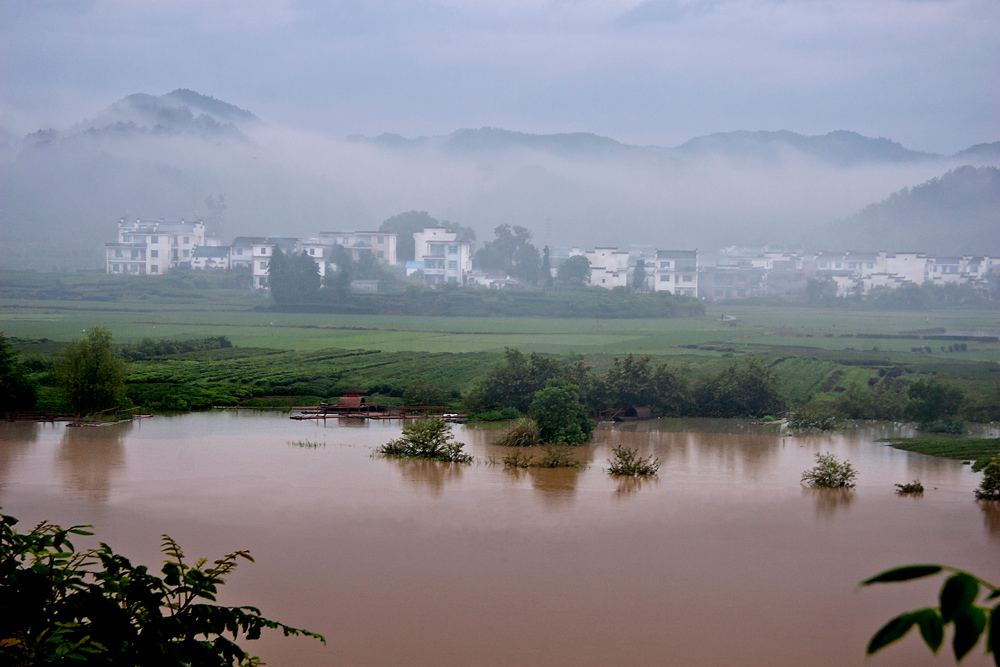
(979, 450)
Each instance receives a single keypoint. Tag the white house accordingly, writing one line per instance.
(153, 247)
(440, 256)
(382, 245)
(207, 258)
(675, 271)
(261, 251)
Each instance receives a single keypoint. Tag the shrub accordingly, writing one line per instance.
(628, 462)
(813, 416)
(17, 390)
(933, 399)
(750, 389)
(517, 459)
(913, 487)
(955, 426)
(989, 489)
(65, 606)
(91, 377)
(558, 456)
(426, 439)
(830, 473)
(522, 433)
(560, 415)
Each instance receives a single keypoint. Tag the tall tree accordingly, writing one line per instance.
(639, 276)
(293, 278)
(512, 252)
(546, 269)
(17, 391)
(574, 272)
(91, 376)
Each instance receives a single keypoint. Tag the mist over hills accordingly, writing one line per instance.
(147, 156)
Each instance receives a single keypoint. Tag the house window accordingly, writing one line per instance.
(664, 265)
(154, 253)
(116, 267)
(823, 265)
(154, 269)
(187, 239)
(838, 265)
(381, 255)
(187, 253)
(118, 253)
(871, 265)
(381, 239)
(453, 250)
(688, 279)
(452, 265)
(239, 251)
(664, 278)
(263, 265)
(135, 254)
(126, 239)
(154, 239)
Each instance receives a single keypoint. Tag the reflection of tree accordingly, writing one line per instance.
(432, 474)
(15, 440)
(628, 485)
(991, 517)
(89, 457)
(557, 486)
(829, 501)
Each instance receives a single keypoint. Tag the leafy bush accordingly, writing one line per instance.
(64, 606)
(814, 416)
(91, 377)
(913, 487)
(989, 489)
(17, 390)
(558, 456)
(749, 389)
(522, 433)
(957, 607)
(933, 399)
(830, 473)
(517, 459)
(426, 439)
(627, 462)
(560, 416)
(955, 426)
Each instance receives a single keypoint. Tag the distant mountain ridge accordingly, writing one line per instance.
(956, 214)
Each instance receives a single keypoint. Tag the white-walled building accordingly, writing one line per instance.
(153, 247)
(441, 257)
(675, 271)
(209, 258)
(382, 245)
(262, 250)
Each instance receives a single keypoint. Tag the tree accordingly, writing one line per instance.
(560, 416)
(546, 269)
(17, 390)
(512, 382)
(574, 272)
(293, 278)
(639, 276)
(405, 224)
(749, 389)
(216, 206)
(426, 439)
(91, 376)
(511, 252)
(989, 488)
(933, 399)
(95, 607)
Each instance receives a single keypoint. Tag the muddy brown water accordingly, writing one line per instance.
(723, 559)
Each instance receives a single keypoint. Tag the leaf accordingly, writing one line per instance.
(931, 628)
(957, 594)
(892, 631)
(905, 573)
(993, 638)
(969, 624)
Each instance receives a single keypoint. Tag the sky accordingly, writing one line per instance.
(925, 73)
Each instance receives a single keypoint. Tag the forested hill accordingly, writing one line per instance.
(956, 214)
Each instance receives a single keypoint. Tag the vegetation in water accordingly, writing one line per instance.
(957, 607)
(553, 456)
(814, 417)
(980, 450)
(989, 488)
(306, 444)
(505, 414)
(65, 606)
(627, 462)
(92, 377)
(913, 487)
(560, 416)
(429, 439)
(830, 472)
(518, 459)
(521, 433)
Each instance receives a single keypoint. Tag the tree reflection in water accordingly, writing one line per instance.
(991, 517)
(557, 486)
(433, 475)
(15, 441)
(90, 457)
(829, 501)
(626, 486)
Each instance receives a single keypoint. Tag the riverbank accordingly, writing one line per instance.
(978, 450)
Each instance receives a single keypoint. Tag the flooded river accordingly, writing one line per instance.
(724, 559)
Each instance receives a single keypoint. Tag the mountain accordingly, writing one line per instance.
(956, 214)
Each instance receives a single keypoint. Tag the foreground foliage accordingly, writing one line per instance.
(957, 607)
(627, 462)
(429, 439)
(830, 473)
(61, 605)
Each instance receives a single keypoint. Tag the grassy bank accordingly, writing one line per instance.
(980, 450)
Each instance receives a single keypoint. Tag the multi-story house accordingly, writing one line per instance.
(382, 245)
(441, 257)
(675, 271)
(153, 247)
(609, 267)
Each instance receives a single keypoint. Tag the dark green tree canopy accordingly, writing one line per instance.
(746, 389)
(639, 276)
(293, 278)
(560, 416)
(512, 253)
(17, 390)
(513, 381)
(574, 272)
(933, 399)
(91, 375)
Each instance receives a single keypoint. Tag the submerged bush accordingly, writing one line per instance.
(954, 426)
(814, 416)
(517, 459)
(628, 462)
(426, 439)
(558, 456)
(989, 489)
(830, 473)
(913, 487)
(522, 433)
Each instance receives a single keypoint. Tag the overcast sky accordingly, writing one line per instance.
(925, 73)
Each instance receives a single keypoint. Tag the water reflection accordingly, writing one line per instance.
(991, 517)
(89, 458)
(433, 475)
(626, 486)
(16, 440)
(829, 501)
(555, 486)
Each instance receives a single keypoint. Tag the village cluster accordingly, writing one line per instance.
(154, 247)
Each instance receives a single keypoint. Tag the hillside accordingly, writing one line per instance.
(956, 214)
